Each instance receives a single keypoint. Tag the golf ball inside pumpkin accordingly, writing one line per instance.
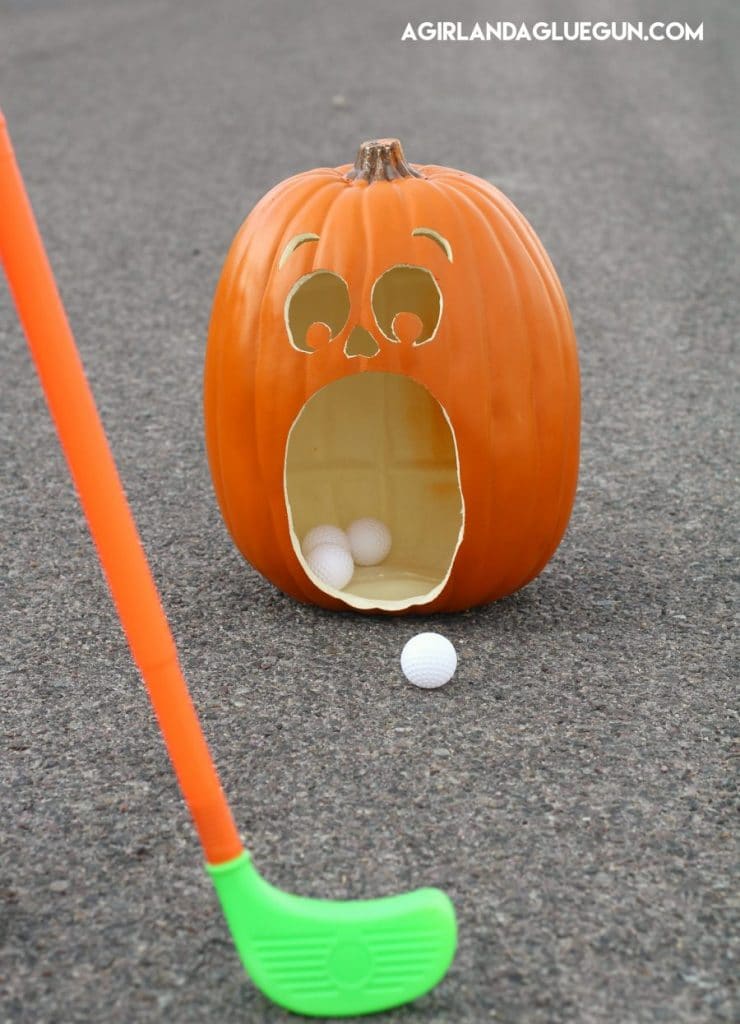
(369, 541)
(428, 660)
(324, 534)
(332, 564)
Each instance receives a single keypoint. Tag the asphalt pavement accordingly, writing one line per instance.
(573, 788)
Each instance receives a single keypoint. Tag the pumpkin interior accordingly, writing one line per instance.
(378, 444)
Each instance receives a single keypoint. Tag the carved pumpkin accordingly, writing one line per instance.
(392, 341)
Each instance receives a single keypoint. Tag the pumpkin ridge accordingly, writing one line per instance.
(523, 340)
(454, 211)
(211, 392)
(411, 201)
(558, 311)
(532, 347)
(524, 232)
(550, 538)
(491, 330)
(214, 383)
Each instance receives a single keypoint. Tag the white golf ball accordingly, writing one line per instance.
(429, 660)
(332, 564)
(324, 534)
(369, 541)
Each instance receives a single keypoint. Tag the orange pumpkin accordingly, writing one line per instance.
(392, 341)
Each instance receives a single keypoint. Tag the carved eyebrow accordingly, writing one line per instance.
(293, 244)
(435, 237)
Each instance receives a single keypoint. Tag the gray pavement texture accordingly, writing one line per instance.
(573, 787)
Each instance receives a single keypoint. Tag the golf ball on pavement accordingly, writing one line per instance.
(369, 541)
(324, 534)
(332, 564)
(428, 660)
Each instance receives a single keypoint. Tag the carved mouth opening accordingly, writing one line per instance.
(378, 445)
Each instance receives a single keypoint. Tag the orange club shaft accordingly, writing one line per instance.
(104, 502)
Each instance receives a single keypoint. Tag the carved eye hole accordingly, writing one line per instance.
(405, 290)
(319, 298)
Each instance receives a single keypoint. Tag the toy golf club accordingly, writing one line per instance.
(320, 958)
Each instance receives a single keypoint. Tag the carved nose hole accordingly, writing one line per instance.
(361, 343)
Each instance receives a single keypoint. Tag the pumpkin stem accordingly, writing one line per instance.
(381, 160)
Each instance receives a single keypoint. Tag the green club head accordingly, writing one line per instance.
(327, 958)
